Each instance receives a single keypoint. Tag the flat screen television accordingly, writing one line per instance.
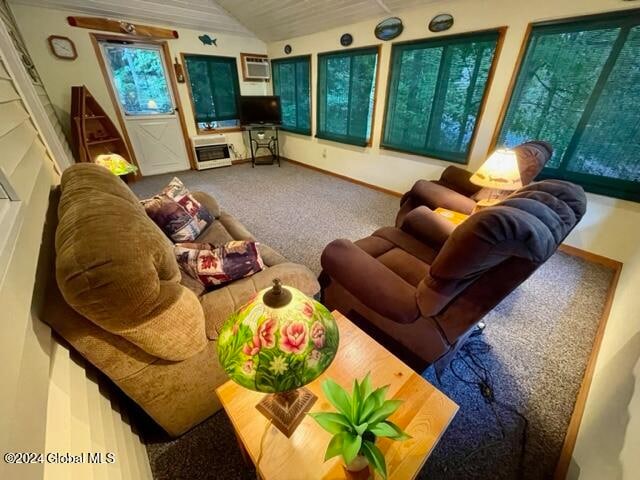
(260, 110)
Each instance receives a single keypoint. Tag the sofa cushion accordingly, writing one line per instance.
(115, 267)
(180, 216)
(221, 303)
(218, 265)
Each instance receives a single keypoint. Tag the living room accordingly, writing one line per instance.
(309, 202)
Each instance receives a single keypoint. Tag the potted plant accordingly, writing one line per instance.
(362, 416)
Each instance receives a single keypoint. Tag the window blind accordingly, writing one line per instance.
(436, 88)
(346, 90)
(579, 88)
(291, 82)
(214, 87)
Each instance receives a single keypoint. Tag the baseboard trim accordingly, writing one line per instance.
(591, 257)
(344, 177)
(239, 161)
(566, 454)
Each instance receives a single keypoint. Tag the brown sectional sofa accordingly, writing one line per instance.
(121, 302)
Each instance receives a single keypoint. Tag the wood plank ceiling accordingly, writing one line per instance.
(204, 15)
(269, 20)
(273, 20)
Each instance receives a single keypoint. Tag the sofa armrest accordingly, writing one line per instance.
(458, 180)
(209, 203)
(427, 226)
(370, 281)
(434, 195)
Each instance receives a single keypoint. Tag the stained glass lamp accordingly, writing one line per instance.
(277, 343)
(115, 163)
(499, 172)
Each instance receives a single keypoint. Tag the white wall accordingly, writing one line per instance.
(609, 437)
(37, 374)
(59, 75)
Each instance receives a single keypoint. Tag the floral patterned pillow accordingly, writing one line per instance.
(217, 265)
(180, 216)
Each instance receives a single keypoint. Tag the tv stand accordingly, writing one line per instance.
(264, 137)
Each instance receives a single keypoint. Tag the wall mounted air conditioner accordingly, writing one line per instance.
(211, 151)
(255, 67)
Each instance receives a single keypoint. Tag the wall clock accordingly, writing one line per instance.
(346, 40)
(62, 47)
(287, 49)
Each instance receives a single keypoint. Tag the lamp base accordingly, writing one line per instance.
(287, 409)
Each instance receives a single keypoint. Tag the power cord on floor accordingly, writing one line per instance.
(470, 355)
(264, 435)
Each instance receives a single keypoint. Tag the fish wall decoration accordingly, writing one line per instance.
(207, 40)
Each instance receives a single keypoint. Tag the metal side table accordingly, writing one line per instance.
(264, 137)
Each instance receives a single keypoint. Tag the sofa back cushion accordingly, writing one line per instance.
(529, 225)
(532, 157)
(116, 267)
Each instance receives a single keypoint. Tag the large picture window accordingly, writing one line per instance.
(346, 91)
(436, 89)
(214, 88)
(579, 89)
(291, 83)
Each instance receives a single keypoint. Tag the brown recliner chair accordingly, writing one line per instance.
(454, 191)
(420, 289)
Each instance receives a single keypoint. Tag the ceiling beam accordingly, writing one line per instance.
(383, 6)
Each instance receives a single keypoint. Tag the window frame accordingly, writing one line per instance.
(201, 131)
(446, 39)
(615, 188)
(376, 80)
(293, 60)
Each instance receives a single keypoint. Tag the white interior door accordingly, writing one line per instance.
(138, 74)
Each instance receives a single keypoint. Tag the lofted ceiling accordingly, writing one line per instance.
(205, 15)
(269, 20)
(273, 20)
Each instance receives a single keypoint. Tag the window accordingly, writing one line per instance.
(436, 89)
(346, 90)
(214, 88)
(579, 89)
(139, 78)
(291, 83)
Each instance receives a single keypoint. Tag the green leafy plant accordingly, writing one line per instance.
(362, 416)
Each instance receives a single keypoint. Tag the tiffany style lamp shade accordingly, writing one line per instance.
(115, 163)
(277, 343)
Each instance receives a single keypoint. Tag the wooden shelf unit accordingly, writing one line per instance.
(93, 133)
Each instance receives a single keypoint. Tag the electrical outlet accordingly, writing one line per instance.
(324, 153)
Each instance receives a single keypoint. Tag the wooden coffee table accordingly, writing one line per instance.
(425, 415)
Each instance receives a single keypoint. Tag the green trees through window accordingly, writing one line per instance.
(346, 90)
(435, 93)
(214, 90)
(579, 89)
(139, 79)
(291, 82)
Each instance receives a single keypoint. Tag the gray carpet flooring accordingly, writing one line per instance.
(533, 352)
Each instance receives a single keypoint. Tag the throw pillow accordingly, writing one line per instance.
(217, 265)
(180, 216)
